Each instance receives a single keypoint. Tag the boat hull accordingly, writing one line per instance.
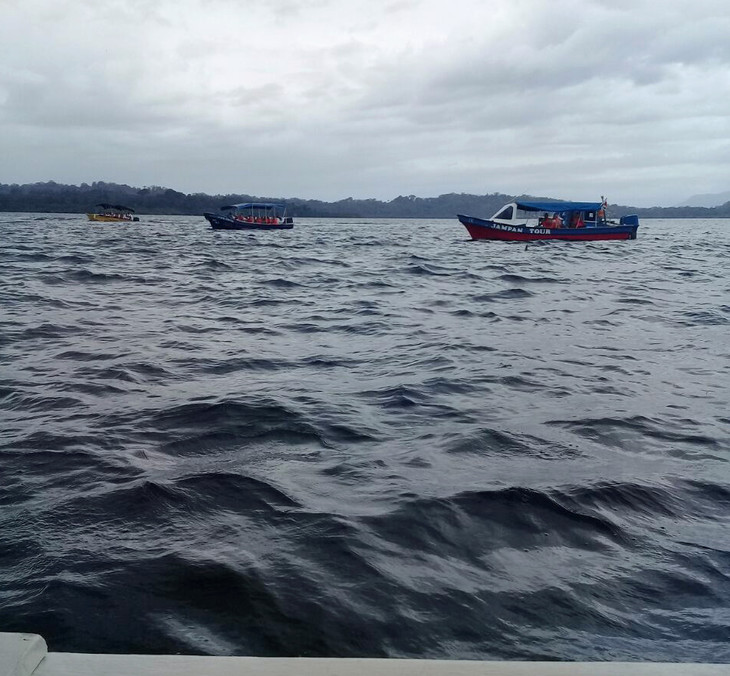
(110, 219)
(480, 228)
(224, 223)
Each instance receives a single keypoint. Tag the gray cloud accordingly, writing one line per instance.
(317, 99)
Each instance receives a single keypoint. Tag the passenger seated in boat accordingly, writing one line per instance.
(577, 220)
(544, 220)
(553, 221)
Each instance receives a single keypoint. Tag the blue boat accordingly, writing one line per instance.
(251, 216)
(526, 221)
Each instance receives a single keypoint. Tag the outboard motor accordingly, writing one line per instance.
(632, 219)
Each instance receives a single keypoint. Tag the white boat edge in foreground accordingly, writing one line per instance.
(27, 655)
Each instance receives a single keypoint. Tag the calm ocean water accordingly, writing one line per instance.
(365, 438)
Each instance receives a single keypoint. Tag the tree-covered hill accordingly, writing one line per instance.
(51, 197)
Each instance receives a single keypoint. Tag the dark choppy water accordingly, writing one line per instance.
(365, 439)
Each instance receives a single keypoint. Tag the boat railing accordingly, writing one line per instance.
(28, 655)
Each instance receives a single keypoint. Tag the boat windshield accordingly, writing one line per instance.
(507, 213)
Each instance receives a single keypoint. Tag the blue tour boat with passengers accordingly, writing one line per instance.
(251, 216)
(526, 221)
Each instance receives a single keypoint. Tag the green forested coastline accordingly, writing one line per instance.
(51, 197)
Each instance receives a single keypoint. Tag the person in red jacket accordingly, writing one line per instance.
(546, 221)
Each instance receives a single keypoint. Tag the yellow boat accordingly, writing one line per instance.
(113, 213)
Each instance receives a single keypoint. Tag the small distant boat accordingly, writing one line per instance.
(526, 221)
(113, 213)
(251, 216)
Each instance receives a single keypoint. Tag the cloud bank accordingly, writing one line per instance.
(326, 100)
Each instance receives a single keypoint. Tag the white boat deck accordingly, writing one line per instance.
(27, 654)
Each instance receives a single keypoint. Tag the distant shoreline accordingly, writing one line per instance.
(51, 197)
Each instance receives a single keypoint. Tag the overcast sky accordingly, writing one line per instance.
(327, 99)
